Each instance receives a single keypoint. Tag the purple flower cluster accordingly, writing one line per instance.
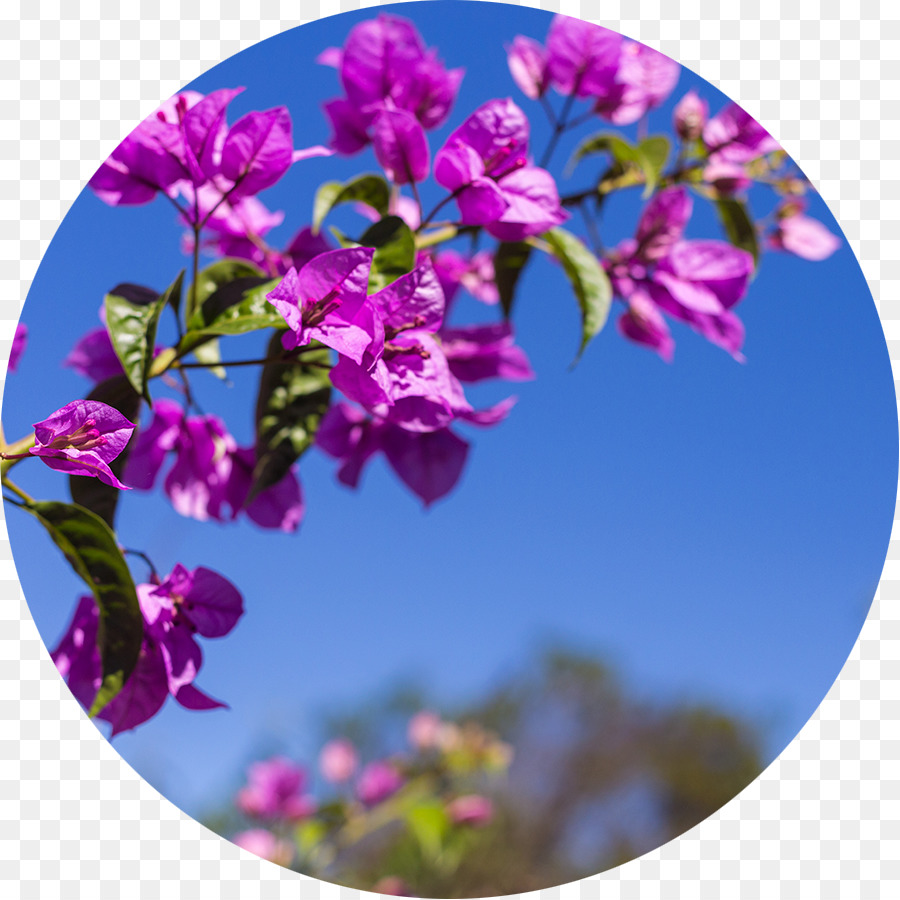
(622, 78)
(211, 476)
(396, 362)
(187, 603)
(697, 282)
(187, 147)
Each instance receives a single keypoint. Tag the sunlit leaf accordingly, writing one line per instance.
(370, 189)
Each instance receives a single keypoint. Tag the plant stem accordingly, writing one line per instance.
(17, 491)
(15, 453)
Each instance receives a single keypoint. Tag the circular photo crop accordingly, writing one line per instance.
(451, 449)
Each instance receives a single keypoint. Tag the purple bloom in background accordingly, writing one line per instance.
(644, 324)
(727, 178)
(378, 781)
(475, 274)
(472, 810)
(279, 506)
(275, 790)
(582, 59)
(400, 146)
(304, 246)
(485, 164)
(18, 347)
(153, 443)
(803, 236)
(644, 79)
(94, 357)
(733, 135)
(479, 352)
(527, 61)
(323, 302)
(384, 66)
(338, 761)
(404, 207)
(266, 845)
(424, 730)
(689, 116)
(83, 438)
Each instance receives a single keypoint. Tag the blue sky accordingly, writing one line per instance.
(716, 530)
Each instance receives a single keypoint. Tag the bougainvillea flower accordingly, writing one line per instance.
(266, 845)
(705, 276)
(662, 223)
(689, 116)
(323, 300)
(384, 58)
(400, 146)
(472, 810)
(258, 150)
(83, 438)
(485, 164)
(582, 59)
(187, 602)
(804, 237)
(338, 761)
(644, 79)
(279, 506)
(350, 127)
(18, 347)
(478, 352)
(527, 61)
(411, 377)
(378, 781)
(275, 791)
(733, 135)
(429, 463)
(153, 444)
(424, 730)
(392, 886)
(644, 324)
(475, 274)
(305, 246)
(94, 357)
(197, 484)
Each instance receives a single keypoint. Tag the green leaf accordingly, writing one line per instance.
(293, 397)
(395, 251)
(510, 260)
(590, 283)
(654, 153)
(308, 835)
(132, 322)
(210, 355)
(213, 277)
(429, 824)
(738, 225)
(370, 189)
(91, 549)
(235, 308)
(608, 142)
(92, 493)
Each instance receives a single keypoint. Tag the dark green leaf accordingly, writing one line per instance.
(395, 251)
(293, 398)
(92, 493)
(91, 549)
(370, 189)
(738, 225)
(654, 153)
(132, 329)
(510, 260)
(213, 277)
(235, 308)
(589, 281)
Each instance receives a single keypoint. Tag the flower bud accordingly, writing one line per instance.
(690, 116)
(338, 761)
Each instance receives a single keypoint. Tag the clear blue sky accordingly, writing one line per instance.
(716, 530)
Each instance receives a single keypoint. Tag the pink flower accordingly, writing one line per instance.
(275, 790)
(264, 844)
(83, 438)
(527, 61)
(424, 730)
(733, 135)
(377, 782)
(338, 761)
(803, 236)
(472, 810)
(690, 116)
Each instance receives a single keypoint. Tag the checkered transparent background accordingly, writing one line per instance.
(823, 821)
